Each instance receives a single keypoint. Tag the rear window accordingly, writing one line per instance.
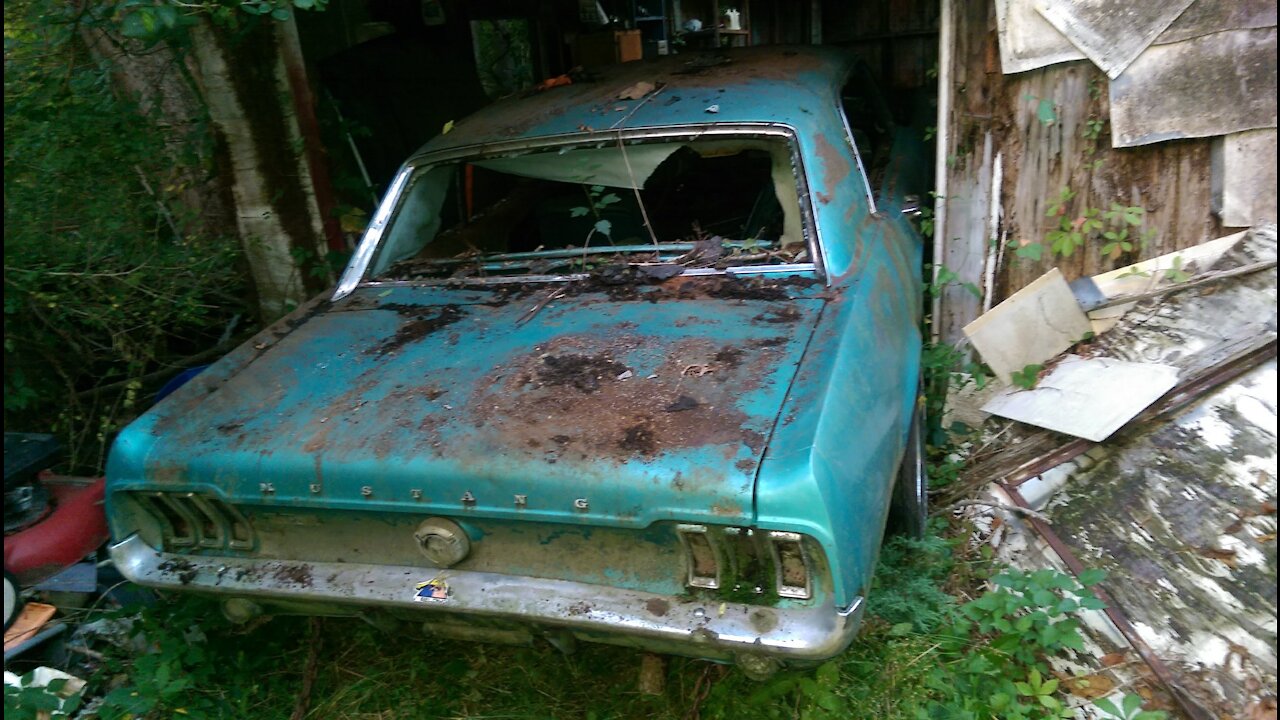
(719, 203)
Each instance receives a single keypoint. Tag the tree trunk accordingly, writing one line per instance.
(161, 81)
(261, 186)
(246, 89)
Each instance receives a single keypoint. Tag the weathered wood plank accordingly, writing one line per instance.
(1172, 180)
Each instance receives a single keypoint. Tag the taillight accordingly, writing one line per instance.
(747, 563)
(191, 520)
(791, 562)
(702, 557)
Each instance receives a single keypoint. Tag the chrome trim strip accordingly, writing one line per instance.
(781, 269)
(219, 524)
(795, 633)
(153, 506)
(606, 137)
(364, 252)
(857, 155)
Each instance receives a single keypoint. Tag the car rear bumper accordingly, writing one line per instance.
(724, 631)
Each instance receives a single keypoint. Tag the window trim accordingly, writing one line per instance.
(355, 274)
(848, 136)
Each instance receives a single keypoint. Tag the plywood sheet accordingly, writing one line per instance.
(1112, 33)
(1150, 274)
(1211, 85)
(1210, 16)
(1248, 180)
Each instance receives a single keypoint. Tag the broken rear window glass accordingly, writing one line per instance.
(705, 204)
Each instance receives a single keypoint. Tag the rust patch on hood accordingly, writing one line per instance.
(573, 398)
(422, 321)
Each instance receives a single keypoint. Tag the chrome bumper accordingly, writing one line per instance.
(593, 612)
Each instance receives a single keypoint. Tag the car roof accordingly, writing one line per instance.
(795, 86)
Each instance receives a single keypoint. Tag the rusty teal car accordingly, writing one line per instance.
(633, 360)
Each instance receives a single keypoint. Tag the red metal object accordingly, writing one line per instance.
(75, 527)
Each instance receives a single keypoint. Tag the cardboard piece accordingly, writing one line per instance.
(33, 617)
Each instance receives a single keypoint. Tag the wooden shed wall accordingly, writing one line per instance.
(898, 39)
(996, 143)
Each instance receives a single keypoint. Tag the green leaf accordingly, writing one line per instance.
(1107, 707)
(604, 227)
(1092, 576)
(167, 15)
(1027, 377)
(1073, 641)
(280, 14)
(139, 24)
(578, 212)
(1045, 112)
(1031, 251)
(828, 674)
(901, 629)
(1131, 704)
(828, 700)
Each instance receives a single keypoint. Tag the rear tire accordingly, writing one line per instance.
(909, 510)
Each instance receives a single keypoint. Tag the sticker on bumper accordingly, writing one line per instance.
(433, 590)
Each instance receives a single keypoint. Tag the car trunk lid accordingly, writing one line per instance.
(619, 405)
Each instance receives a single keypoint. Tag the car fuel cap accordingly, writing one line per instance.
(444, 542)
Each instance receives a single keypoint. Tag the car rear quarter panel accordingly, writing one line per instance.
(832, 461)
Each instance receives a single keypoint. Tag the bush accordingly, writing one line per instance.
(104, 293)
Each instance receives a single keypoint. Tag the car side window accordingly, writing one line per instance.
(870, 123)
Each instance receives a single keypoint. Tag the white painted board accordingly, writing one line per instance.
(1027, 40)
(1112, 33)
(1089, 398)
(1031, 326)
